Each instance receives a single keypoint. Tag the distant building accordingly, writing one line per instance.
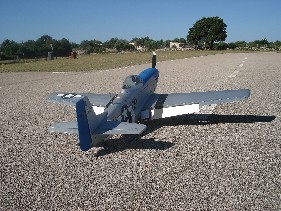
(176, 45)
(139, 48)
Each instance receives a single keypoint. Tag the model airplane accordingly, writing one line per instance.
(101, 115)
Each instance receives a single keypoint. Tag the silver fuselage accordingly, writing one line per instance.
(127, 105)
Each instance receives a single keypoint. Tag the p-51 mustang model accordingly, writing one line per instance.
(101, 115)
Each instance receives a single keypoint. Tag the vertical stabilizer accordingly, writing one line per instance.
(87, 122)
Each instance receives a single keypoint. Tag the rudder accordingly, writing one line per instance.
(84, 132)
(87, 122)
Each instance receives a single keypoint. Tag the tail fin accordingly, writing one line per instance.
(87, 122)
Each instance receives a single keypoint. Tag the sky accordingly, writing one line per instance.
(246, 20)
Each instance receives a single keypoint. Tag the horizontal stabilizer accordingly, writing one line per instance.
(64, 127)
(115, 127)
(107, 128)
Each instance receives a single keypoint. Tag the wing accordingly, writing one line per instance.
(99, 100)
(202, 98)
(167, 105)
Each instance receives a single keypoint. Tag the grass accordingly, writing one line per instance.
(99, 61)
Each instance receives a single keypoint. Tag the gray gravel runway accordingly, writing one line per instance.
(229, 160)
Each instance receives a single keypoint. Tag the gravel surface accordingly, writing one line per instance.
(229, 160)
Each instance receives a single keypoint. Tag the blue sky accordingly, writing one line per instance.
(247, 20)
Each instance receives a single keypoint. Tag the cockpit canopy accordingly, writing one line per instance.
(131, 81)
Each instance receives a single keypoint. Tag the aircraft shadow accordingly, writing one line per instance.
(131, 142)
(137, 142)
(194, 119)
(205, 119)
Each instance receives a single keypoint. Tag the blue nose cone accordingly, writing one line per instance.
(149, 73)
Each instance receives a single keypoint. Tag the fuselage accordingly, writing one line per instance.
(136, 90)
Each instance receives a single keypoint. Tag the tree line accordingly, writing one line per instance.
(206, 33)
(39, 48)
(35, 48)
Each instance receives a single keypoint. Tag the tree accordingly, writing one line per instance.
(123, 45)
(167, 43)
(118, 44)
(141, 41)
(148, 43)
(29, 49)
(111, 43)
(232, 45)
(86, 46)
(207, 31)
(62, 47)
(10, 48)
(180, 40)
(92, 46)
(277, 44)
(221, 46)
(241, 44)
(260, 43)
(44, 44)
(160, 44)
